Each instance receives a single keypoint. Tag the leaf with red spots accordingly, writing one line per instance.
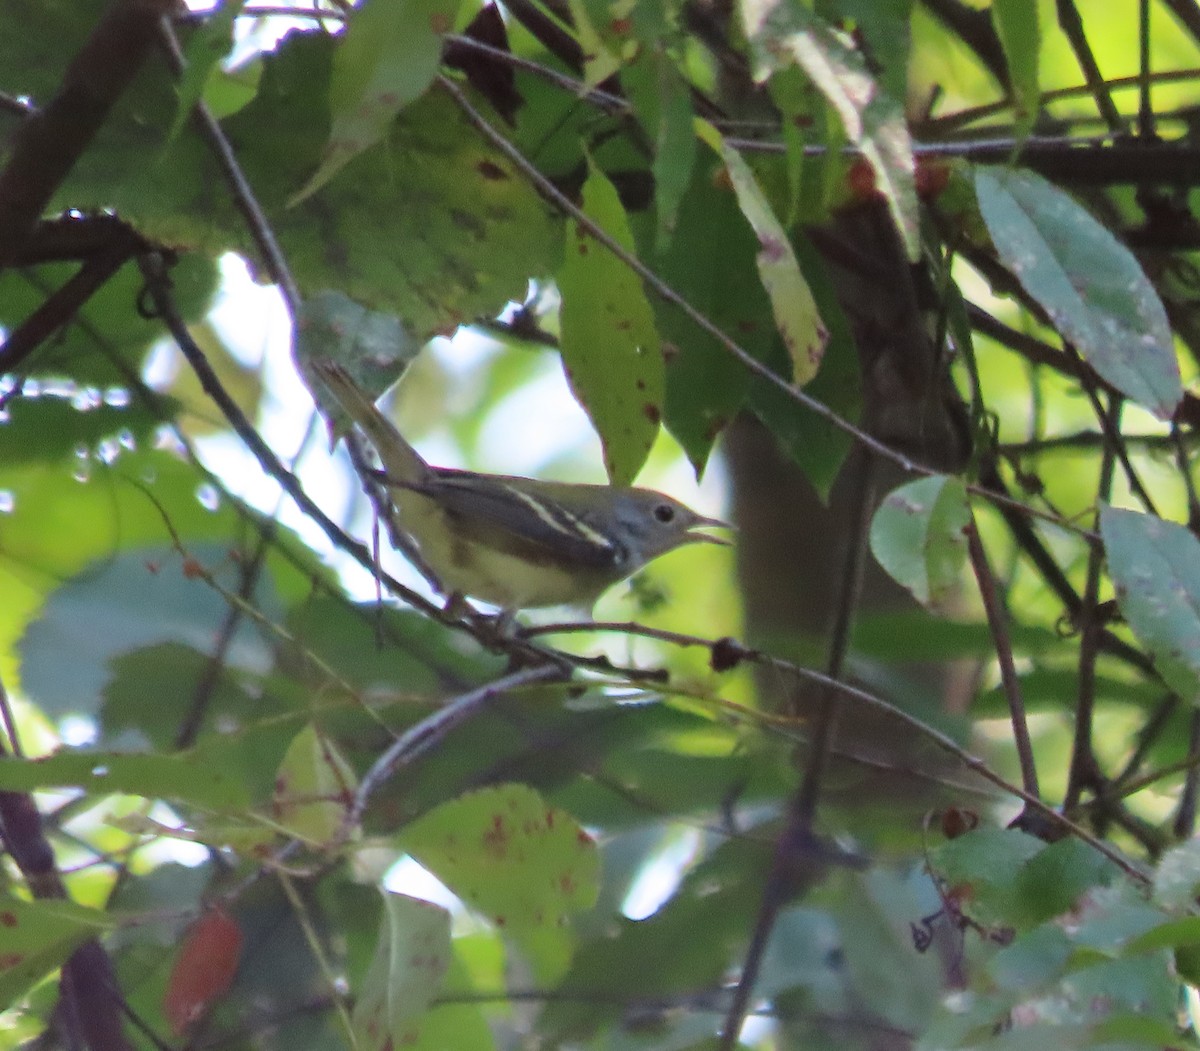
(796, 315)
(203, 970)
(412, 955)
(610, 348)
(388, 57)
(314, 787)
(523, 864)
(36, 937)
(782, 35)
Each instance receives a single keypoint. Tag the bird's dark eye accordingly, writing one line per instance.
(665, 513)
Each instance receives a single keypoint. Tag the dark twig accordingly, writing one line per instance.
(49, 142)
(1084, 770)
(728, 653)
(1072, 27)
(214, 665)
(997, 619)
(65, 302)
(796, 845)
(431, 730)
(1146, 129)
(1110, 425)
(88, 1011)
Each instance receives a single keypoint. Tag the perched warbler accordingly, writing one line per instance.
(517, 542)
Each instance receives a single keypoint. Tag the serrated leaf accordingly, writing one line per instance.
(781, 33)
(411, 957)
(1016, 23)
(796, 315)
(610, 347)
(918, 536)
(1089, 284)
(387, 57)
(1155, 568)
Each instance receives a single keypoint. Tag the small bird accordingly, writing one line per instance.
(513, 542)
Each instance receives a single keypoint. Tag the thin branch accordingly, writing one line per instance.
(1145, 107)
(158, 289)
(1110, 425)
(214, 665)
(1072, 27)
(87, 1010)
(797, 839)
(243, 195)
(997, 618)
(1084, 770)
(727, 653)
(431, 730)
(61, 307)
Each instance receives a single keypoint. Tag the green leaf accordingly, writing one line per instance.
(387, 58)
(918, 536)
(1089, 284)
(374, 346)
(1016, 23)
(796, 315)
(143, 598)
(314, 787)
(430, 223)
(1172, 934)
(1054, 879)
(505, 852)
(450, 1024)
(1177, 878)
(986, 863)
(610, 347)
(1155, 568)
(816, 445)
(412, 955)
(1035, 959)
(660, 98)
(207, 46)
(37, 936)
(781, 33)
(710, 262)
(189, 777)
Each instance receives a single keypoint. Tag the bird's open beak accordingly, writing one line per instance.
(709, 523)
